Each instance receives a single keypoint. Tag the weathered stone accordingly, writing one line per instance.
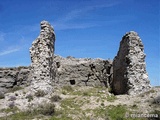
(42, 52)
(24, 77)
(129, 70)
(82, 71)
(10, 77)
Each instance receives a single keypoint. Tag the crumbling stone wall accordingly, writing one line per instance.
(11, 77)
(83, 71)
(129, 69)
(127, 73)
(69, 71)
(42, 53)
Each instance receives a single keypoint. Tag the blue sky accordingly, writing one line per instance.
(84, 28)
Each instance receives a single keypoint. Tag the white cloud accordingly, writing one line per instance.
(8, 51)
(64, 22)
(65, 26)
(78, 12)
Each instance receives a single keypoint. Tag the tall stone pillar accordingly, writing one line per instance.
(129, 69)
(42, 53)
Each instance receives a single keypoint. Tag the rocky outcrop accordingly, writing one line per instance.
(129, 69)
(83, 71)
(11, 77)
(42, 53)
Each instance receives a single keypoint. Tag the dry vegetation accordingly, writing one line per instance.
(83, 103)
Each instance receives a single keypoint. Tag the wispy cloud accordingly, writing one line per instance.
(64, 22)
(65, 26)
(8, 51)
(78, 12)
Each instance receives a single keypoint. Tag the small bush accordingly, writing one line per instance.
(40, 93)
(64, 92)
(55, 98)
(86, 94)
(2, 96)
(102, 104)
(29, 97)
(134, 106)
(46, 109)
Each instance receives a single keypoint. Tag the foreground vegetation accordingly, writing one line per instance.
(76, 104)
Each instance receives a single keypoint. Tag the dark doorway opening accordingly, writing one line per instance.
(72, 82)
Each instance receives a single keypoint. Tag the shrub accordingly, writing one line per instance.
(55, 98)
(29, 97)
(86, 94)
(102, 104)
(40, 93)
(46, 109)
(64, 92)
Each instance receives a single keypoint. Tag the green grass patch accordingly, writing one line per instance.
(111, 98)
(117, 112)
(38, 112)
(67, 88)
(8, 110)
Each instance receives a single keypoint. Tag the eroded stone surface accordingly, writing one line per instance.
(83, 71)
(129, 69)
(11, 77)
(42, 53)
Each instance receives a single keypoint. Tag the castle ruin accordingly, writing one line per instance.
(125, 75)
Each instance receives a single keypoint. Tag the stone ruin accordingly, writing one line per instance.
(83, 71)
(125, 75)
(11, 77)
(42, 53)
(129, 69)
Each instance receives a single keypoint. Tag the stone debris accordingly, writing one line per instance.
(129, 68)
(42, 53)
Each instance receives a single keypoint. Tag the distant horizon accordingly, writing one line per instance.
(83, 28)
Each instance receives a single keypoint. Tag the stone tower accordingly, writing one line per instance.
(42, 53)
(129, 69)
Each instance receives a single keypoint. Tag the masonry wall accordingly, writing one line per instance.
(16, 76)
(83, 71)
(70, 71)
